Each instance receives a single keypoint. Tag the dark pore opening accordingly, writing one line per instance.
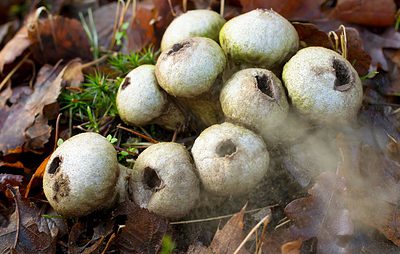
(126, 83)
(264, 84)
(225, 148)
(176, 47)
(342, 82)
(54, 165)
(151, 179)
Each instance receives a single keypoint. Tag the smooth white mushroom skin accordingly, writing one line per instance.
(255, 98)
(140, 100)
(259, 38)
(81, 175)
(230, 159)
(195, 23)
(164, 181)
(323, 85)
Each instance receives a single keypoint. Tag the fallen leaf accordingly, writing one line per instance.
(323, 214)
(8, 29)
(141, 32)
(23, 115)
(310, 35)
(37, 176)
(103, 17)
(15, 47)
(17, 165)
(369, 13)
(298, 10)
(292, 247)
(27, 231)
(228, 239)
(356, 55)
(142, 232)
(73, 75)
(10, 179)
(374, 43)
(56, 38)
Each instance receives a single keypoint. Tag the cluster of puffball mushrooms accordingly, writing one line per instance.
(224, 75)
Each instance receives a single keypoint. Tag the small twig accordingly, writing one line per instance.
(112, 237)
(9, 75)
(171, 8)
(184, 4)
(265, 220)
(222, 8)
(96, 61)
(219, 217)
(282, 224)
(343, 41)
(56, 133)
(137, 134)
(12, 190)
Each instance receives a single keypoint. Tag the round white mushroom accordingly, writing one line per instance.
(230, 159)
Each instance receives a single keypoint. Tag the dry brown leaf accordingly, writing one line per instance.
(293, 247)
(300, 10)
(37, 176)
(369, 13)
(356, 55)
(323, 214)
(141, 32)
(143, 231)
(28, 112)
(228, 239)
(310, 35)
(10, 179)
(17, 165)
(27, 231)
(73, 75)
(15, 47)
(56, 38)
(374, 43)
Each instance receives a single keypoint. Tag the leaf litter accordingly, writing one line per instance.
(350, 210)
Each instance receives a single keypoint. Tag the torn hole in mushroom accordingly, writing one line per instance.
(176, 47)
(126, 83)
(264, 84)
(54, 165)
(342, 73)
(151, 180)
(226, 148)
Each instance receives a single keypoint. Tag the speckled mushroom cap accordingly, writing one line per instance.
(81, 175)
(165, 182)
(262, 38)
(195, 23)
(230, 160)
(323, 85)
(256, 98)
(139, 98)
(190, 67)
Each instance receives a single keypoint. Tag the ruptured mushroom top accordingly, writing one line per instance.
(230, 159)
(81, 175)
(323, 85)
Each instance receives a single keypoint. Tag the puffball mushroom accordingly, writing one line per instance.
(195, 23)
(141, 101)
(255, 98)
(323, 85)
(191, 71)
(81, 175)
(259, 38)
(230, 159)
(164, 181)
